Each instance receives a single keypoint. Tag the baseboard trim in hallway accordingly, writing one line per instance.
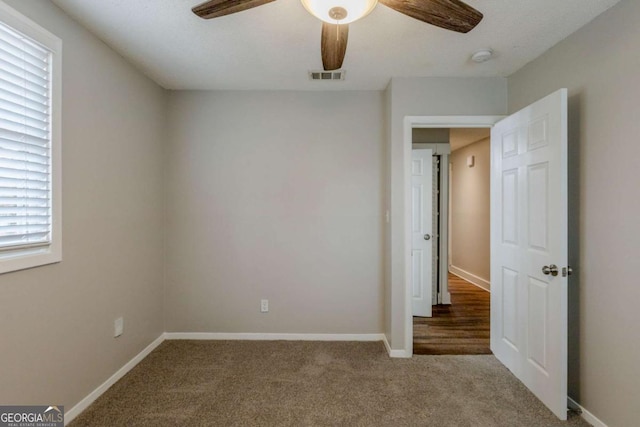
(471, 278)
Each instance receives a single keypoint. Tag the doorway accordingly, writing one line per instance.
(460, 322)
(529, 242)
(411, 122)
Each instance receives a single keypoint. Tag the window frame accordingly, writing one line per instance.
(23, 258)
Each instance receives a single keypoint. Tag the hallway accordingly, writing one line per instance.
(459, 328)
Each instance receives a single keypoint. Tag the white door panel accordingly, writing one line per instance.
(528, 232)
(421, 213)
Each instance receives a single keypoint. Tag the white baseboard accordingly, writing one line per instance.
(446, 298)
(471, 278)
(586, 415)
(271, 336)
(84, 403)
(393, 353)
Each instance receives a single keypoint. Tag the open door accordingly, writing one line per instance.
(529, 247)
(421, 233)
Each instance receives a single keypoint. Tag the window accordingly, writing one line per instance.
(30, 59)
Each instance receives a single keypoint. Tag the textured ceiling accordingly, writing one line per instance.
(274, 46)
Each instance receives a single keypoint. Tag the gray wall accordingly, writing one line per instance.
(275, 195)
(56, 321)
(600, 66)
(423, 97)
(470, 237)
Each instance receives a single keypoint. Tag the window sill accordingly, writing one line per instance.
(23, 259)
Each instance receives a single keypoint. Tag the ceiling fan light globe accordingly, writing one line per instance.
(355, 9)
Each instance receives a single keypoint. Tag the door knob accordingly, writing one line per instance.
(550, 269)
(427, 237)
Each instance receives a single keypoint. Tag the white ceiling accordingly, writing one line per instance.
(273, 46)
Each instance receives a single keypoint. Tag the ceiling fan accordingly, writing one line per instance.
(336, 15)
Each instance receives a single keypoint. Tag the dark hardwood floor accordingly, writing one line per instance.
(459, 328)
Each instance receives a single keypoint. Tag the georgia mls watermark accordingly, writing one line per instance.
(32, 416)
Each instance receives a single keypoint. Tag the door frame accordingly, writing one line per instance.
(411, 122)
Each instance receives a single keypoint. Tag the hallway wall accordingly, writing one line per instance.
(470, 213)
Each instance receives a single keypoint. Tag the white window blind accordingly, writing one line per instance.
(25, 142)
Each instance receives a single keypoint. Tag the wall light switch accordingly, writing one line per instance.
(118, 327)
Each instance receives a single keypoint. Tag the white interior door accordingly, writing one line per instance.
(421, 233)
(528, 239)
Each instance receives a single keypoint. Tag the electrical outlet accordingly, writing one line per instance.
(118, 327)
(264, 306)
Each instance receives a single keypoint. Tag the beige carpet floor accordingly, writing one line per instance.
(281, 383)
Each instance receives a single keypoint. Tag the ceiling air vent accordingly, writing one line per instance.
(327, 75)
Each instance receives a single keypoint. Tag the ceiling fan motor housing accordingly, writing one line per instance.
(338, 13)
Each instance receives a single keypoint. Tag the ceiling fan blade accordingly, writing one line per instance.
(216, 8)
(452, 15)
(334, 45)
